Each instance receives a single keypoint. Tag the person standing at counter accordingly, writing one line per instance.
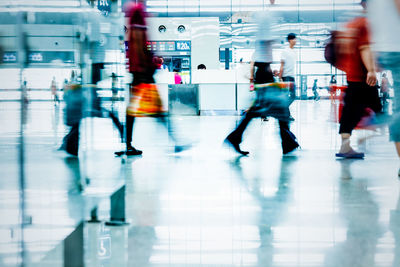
(261, 73)
(177, 77)
(201, 67)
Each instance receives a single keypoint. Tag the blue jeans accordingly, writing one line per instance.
(391, 61)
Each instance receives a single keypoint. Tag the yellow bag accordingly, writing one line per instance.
(144, 101)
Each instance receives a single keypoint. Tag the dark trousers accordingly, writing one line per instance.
(288, 138)
(264, 75)
(358, 97)
(96, 72)
(71, 140)
(130, 120)
(117, 123)
(292, 88)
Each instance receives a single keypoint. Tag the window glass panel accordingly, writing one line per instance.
(308, 55)
(314, 68)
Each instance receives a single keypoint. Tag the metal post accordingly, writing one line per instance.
(21, 157)
(93, 216)
(74, 248)
(117, 211)
(227, 58)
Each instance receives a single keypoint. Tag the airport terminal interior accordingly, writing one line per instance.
(77, 190)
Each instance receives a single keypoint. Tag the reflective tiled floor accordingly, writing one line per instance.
(205, 206)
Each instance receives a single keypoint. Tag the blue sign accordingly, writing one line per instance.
(10, 57)
(183, 45)
(35, 57)
(104, 248)
(47, 57)
(104, 6)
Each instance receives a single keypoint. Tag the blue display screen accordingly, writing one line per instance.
(183, 45)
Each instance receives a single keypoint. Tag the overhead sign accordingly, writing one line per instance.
(67, 57)
(169, 46)
(10, 57)
(183, 46)
(104, 6)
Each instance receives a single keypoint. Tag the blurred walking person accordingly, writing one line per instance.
(315, 90)
(385, 24)
(53, 89)
(357, 60)
(25, 92)
(384, 92)
(266, 104)
(332, 89)
(144, 97)
(73, 114)
(114, 89)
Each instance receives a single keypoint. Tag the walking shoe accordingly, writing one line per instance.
(131, 151)
(351, 155)
(291, 149)
(230, 141)
(180, 148)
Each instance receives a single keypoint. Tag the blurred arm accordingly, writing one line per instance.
(281, 70)
(369, 63)
(251, 71)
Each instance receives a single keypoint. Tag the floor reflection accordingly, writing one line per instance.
(144, 203)
(394, 226)
(273, 207)
(360, 212)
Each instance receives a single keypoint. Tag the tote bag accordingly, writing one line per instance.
(144, 101)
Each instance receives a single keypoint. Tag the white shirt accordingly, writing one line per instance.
(289, 57)
(385, 25)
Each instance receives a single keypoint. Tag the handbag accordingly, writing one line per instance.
(144, 101)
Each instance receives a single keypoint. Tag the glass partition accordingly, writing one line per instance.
(310, 20)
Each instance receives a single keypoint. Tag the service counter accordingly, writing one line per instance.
(221, 91)
(211, 92)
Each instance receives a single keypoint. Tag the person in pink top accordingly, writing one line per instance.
(177, 77)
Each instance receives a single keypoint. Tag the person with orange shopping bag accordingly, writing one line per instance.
(144, 97)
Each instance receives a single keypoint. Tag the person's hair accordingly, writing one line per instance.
(158, 62)
(201, 67)
(291, 36)
(364, 4)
